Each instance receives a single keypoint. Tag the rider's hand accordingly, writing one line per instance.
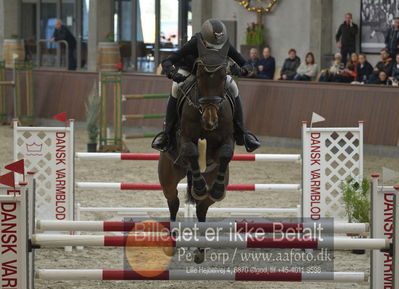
(178, 77)
(235, 70)
(246, 69)
(169, 69)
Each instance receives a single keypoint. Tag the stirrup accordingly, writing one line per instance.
(163, 149)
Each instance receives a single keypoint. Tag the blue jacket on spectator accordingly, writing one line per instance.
(269, 68)
(395, 71)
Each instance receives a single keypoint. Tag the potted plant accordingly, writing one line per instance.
(357, 202)
(92, 110)
(254, 38)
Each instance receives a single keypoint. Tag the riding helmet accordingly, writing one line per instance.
(214, 33)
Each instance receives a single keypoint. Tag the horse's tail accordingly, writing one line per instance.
(189, 197)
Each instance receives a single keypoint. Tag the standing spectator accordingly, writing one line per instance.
(290, 66)
(385, 64)
(336, 68)
(364, 69)
(346, 37)
(267, 65)
(395, 70)
(61, 32)
(392, 39)
(307, 70)
(254, 61)
(350, 71)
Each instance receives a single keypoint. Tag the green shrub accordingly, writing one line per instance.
(357, 200)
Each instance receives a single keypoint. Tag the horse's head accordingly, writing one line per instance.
(211, 78)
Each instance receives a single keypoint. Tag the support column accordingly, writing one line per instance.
(101, 22)
(202, 10)
(321, 30)
(10, 21)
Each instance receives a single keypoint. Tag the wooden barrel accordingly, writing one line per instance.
(12, 47)
(108, 55)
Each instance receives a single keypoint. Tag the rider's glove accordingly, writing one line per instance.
(178, 77)
(246, 69)
(235, 70)
(170, 71)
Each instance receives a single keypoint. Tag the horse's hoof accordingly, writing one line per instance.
(199, 191)
(217, 193)
(199, 256)
(169, 251)
(199, 195)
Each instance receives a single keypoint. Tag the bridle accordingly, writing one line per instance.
(212, 101)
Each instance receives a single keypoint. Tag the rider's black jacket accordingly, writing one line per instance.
(185, 57)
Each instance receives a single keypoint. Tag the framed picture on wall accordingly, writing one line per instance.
(376, 18)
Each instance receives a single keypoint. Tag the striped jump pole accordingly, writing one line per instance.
(218, 242)
(126, 117)
(135, 136)
(144, 96)
(155, 157)
(222, 227)
(157, 187)
(217, 274)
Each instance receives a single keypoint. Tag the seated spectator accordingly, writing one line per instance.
(385, 64)
(267, 65)
(350, 71)
(364, 69)
(337, 67)
(382, 79)
(290, 66)
(254, 61)
(307, 70)
(395, 70)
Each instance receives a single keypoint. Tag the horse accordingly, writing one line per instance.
(206, 112)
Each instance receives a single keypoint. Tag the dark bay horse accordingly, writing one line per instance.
(207, 113)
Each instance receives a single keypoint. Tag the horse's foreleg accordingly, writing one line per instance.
(218, 190)
(189, 151)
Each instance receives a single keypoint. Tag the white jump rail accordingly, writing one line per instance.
(178, 227)
(99, 274)
(234, 241)
(155, 157)
(157, 187)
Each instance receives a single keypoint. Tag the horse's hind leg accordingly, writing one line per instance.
(169, 177)
(201, 210)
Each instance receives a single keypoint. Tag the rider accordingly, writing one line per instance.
(177, 67)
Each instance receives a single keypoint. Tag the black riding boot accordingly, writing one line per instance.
(162, 142)
(242, 136)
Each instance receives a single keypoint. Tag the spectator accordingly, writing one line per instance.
(267, 65)
(385, 64)
(395, 70)
(346, 37)
(392, 39)
(61, 32)
(290, 65)
(364, 69)
(254, 61)
(350, 71)
(336, 67)
(307, 70)
(382, 79)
